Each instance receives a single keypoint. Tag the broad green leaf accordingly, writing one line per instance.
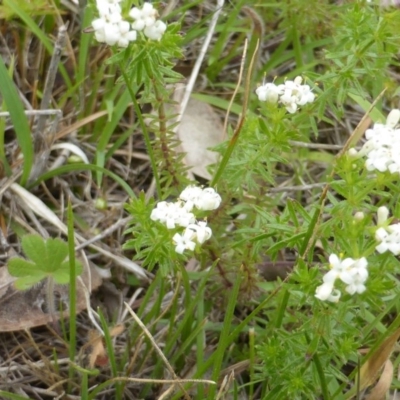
(27, 282)
(61, 276)
(19, 267)
(57, 251)
(47, 260)
(34, 248)
(78, 267)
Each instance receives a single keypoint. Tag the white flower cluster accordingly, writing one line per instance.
(146, 21)
(112, 29)
(382, 147)
(387, 236)
(291, 94)
(180, 213)
(353, 273)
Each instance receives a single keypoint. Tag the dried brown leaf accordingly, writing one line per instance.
(23, 310)
(382, 387)
(370, 369)
(98, 356)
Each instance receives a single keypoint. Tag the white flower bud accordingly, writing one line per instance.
(393, 118)
(359, 216)
(382, 214)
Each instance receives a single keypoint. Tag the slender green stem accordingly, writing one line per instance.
(72, 291)
(224, 341)
(50, 299)
(145, 131)
(252, 357)
(165, 147)
(235, 137)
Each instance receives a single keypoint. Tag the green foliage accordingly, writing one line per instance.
(151, 240)
(33, 8)
(285, 202)
(11, 98)
(47, 259)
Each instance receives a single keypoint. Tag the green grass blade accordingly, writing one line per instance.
(224, 341)
(11, 396)
(72, 292)
(84, 167)
(19, 120)
(34, 28)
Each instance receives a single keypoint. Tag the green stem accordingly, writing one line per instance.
(72, 292)
(235, 137)
(165, 148)
(145, 132)
(224, 342)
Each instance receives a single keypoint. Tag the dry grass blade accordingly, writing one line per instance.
(178, 381)
(199, 61)
(42, 137)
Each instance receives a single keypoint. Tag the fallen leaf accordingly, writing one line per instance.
(98, 356)
(370, 369)
(199, 130)
(382, 387)
(26, 309)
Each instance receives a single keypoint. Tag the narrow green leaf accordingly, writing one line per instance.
(72, 273)
(85, 167)
(34, 28)
(18, 118)
(375, 114)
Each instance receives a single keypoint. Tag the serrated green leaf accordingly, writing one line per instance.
(61, 276)
(27, 282)
(34, 248)
(19, 267)
(57, 251)
(47, 260)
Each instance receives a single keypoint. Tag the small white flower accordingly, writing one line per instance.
(111, 34)
(191, 193)
(184, 242)
(382, 148)
(291, 94)
(126, 35)
(289, 101)
(202, 231)
(144, 17)
(326, 292)
(98, 24)
(209, 200)
(155, 31)
(172, 215)
(357, 286)
(268, 92)
(352, 272)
